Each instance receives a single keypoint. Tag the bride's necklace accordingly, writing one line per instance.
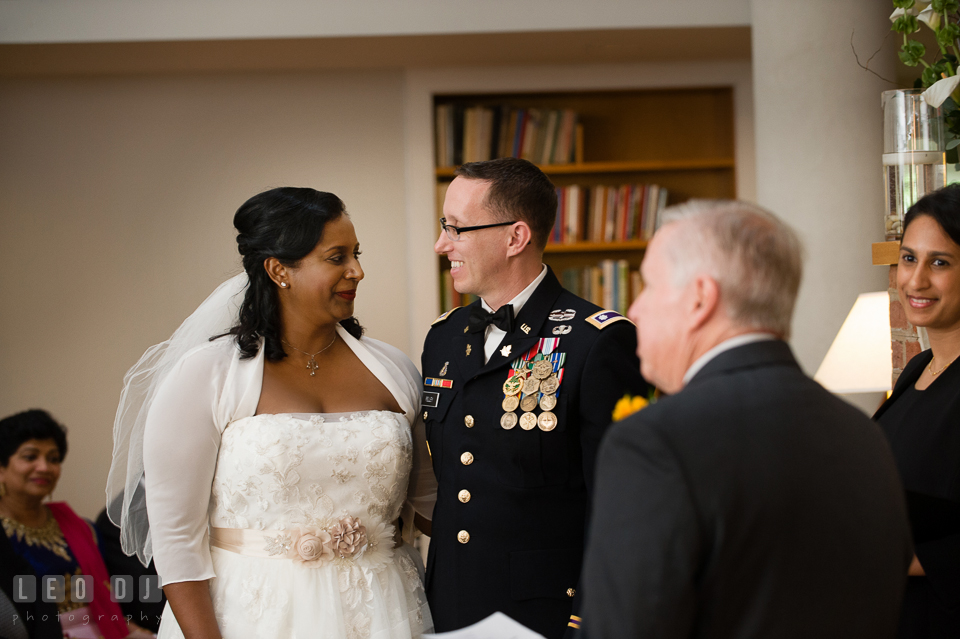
(312, 365)
(934, 373)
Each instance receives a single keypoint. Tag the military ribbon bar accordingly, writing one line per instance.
(441, 383)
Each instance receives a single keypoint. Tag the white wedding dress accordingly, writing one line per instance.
(280, 477)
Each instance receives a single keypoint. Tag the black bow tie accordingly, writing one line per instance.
(502, 319)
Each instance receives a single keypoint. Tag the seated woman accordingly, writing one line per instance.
(52, 537)
(922, 417)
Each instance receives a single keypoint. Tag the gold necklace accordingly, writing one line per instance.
(47, 535)
(934, 373)
(312, 365)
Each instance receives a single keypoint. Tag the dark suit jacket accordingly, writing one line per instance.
(751, 504)
(528, 489)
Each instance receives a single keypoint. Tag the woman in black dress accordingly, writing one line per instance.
(922, 417)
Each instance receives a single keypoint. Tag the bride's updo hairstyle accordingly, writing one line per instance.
(285, 223)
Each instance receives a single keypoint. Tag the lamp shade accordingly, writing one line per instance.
(859, 360)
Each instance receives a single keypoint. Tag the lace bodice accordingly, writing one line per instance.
(284, 471)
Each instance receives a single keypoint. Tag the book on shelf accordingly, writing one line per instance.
(611, 284)
(607, 213)
(477, 133)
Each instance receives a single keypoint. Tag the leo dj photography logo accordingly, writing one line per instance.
(53, 589)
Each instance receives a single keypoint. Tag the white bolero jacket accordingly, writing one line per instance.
(209, 388)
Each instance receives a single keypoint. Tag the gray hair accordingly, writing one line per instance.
(755, 258)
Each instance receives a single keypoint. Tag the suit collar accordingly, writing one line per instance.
(754, 355)
(726, 345)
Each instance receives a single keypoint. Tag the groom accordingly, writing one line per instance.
(519, 388)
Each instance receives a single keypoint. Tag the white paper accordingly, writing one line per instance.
(496, 626)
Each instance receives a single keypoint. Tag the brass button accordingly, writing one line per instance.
(468, 420)
(466, 459)
(463, 536)
(424, 415)
(571, 592)
(464, 496)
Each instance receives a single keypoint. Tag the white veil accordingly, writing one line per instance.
(126, 496)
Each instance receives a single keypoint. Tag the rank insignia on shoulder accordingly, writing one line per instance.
(604, 318)
(442, 383)
(444, 316)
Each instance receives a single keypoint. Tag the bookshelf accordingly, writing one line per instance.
(681, 140)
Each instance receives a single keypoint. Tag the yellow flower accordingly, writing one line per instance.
(628, 406)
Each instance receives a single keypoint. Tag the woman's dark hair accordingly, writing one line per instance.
(943, 205)
(285, 223)
(30, 424)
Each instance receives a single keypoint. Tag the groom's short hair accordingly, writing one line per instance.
(518, 191)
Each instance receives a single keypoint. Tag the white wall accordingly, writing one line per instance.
(819, 129)
(131, 20)
(116, 204)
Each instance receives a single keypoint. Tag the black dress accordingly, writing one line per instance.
(923, 428)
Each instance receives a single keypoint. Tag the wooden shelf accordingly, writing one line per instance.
(679, 139)
(596, 247)
(885, 253)
(638, 166)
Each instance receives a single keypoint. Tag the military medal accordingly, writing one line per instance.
(548, 402)
(550, 385)
(547, 421)
(528, 403)
(513, 385)
(542, 369)
(531, 385)
(528, 421)
(510, 403)
(508, 421)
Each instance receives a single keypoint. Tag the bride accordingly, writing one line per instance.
(265, 453)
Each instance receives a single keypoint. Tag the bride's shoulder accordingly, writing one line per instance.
(389, 351)
(213, 354)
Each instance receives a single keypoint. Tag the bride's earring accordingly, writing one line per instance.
(283, 285)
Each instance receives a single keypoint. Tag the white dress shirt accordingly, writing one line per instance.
(495, 334)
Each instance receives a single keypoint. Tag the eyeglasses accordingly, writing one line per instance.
(453, 232)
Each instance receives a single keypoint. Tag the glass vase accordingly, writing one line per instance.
(914, 161)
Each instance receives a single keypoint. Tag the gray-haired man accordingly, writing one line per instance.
(751, 502)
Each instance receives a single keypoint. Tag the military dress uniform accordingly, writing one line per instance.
(513, 443)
